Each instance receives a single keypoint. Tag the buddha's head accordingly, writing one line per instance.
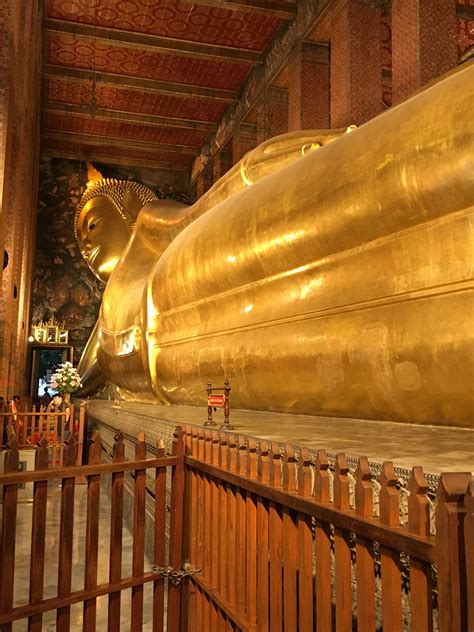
(105, 218)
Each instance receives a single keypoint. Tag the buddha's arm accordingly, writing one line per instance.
(92, 377)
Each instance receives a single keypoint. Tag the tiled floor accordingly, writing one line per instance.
(436, 448)
(22, 565)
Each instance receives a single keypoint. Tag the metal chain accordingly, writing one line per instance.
(175, 577)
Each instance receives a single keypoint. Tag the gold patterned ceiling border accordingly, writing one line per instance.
(156, 43)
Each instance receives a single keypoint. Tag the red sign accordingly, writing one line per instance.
(216, 400)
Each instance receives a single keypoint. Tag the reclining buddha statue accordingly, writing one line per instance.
(326, 273)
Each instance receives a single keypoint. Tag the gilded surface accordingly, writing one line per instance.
(319, 277)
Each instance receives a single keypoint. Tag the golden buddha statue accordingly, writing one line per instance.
(326, 273)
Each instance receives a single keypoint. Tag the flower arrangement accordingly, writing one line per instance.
(66, 379)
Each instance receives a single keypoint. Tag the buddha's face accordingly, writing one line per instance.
(102, 235)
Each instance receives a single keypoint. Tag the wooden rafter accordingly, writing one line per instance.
(129, 117)
(144, 41)
(465, 12)
(137, 83)
(103, 157)
(105, 141)
(283, 10)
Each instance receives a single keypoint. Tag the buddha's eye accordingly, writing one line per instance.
(92, 224)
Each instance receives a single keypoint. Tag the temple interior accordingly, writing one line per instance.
(237, 303)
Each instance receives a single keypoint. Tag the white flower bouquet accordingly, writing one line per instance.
(66, 379)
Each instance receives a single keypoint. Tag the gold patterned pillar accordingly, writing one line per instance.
(20, 68)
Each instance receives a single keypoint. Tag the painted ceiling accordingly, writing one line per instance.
(145, 82)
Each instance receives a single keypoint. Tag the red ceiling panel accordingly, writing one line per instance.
(171, 18)
(118, 129)
(68, 50)
(90, 149)
(66, 90)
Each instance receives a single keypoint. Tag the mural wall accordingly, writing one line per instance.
(64, 287)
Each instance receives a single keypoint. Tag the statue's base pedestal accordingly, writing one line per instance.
(436, 448)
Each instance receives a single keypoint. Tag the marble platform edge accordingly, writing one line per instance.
(104, 411)
(124, 404)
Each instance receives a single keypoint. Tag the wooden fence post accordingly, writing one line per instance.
(187, 593)
(222, 544)
(92, 533)
(176, 529)
(138, 552)
(420, 572)
(215, 526)
(289, 543)
(323, 548)
(80, 434)
(251, 514)
(450, 523)
(116, 530)
(241, 496)
(38, 535)
(8, 533)
(305, 546)
(469, 544)
(389, 559)
(342, 549)
(364, 507)
(66, 529)
(276, 545)
(262, 540)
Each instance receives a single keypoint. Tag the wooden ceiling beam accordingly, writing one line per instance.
(282, 10)
(465, 12)
(115, 160)
(128, 82)
(103, 114)
(105, 141)
(155, 43)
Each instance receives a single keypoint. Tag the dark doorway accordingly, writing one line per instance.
(45, 360)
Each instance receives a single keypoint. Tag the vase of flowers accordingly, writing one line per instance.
(66, 380)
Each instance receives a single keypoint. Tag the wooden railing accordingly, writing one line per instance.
(29, 427)
(288, 544)
(162, 467)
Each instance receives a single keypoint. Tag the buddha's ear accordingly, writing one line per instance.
(131, 205)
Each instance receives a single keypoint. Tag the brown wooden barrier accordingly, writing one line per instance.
(289, 545)
(29, 427)
(68, 476)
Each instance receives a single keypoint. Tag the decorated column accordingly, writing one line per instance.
(204, 181)
(221, 164)
(308, 87)
(356, 63)
(272, 114)
(424, 43)
(20, 50)
(244, 139)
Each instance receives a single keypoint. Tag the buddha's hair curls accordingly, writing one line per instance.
(114, 190)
